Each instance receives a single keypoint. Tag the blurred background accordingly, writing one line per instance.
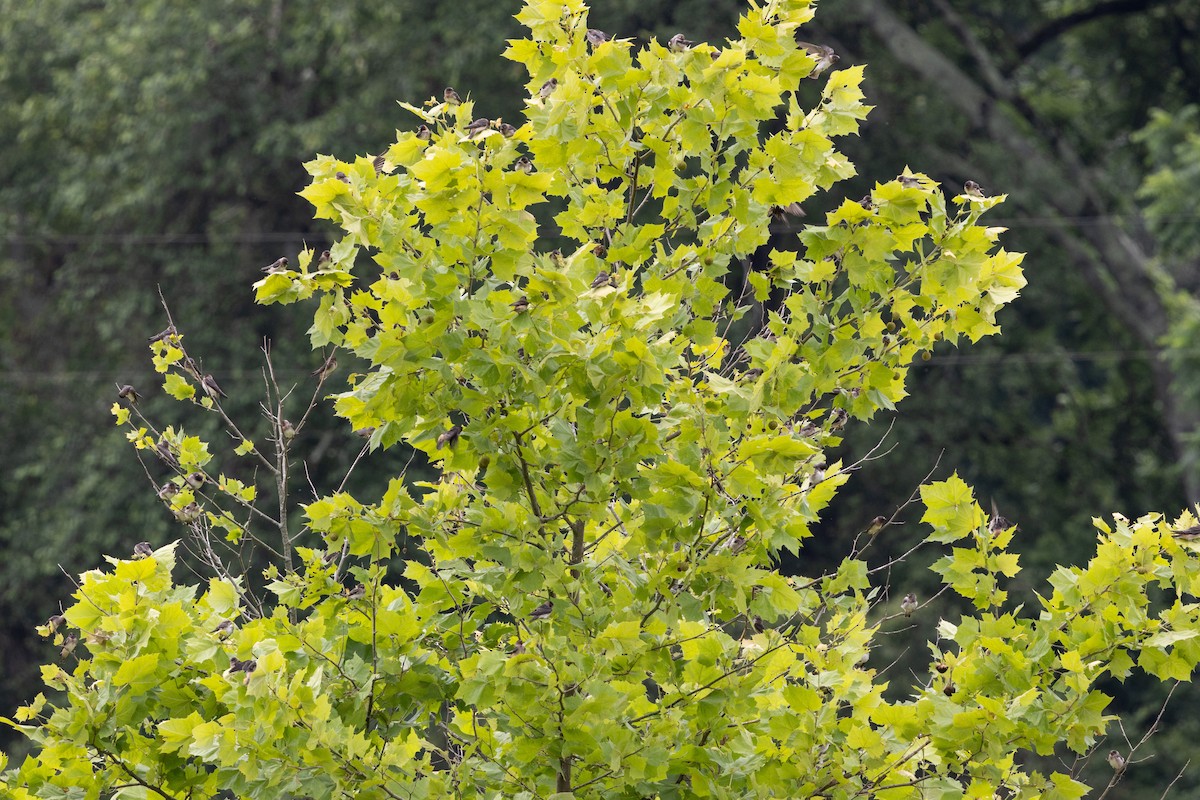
(158, 145)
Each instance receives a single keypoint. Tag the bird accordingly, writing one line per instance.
(192, 368)
(365, 433)
(237, 665)
(357, 593)
(478, 126)
(866, 202)
(323, 259)
(55, 621)
(523, 164)
(1116, 761)
(997, 523)
(341, 176)
(972, 188)
(542, 611)
(224, 629)
(595, 37)
(517, 649)
(521, 304)
(507, 130)
(450, 96)
(877, 525)
(278, 265)
(1187, 534)
(142, 550)
(129, 394)
(909, 604)
(169, 331)
(838, 419)
(163, 451)
(909, 181)
(678, 44)
(601, 280)
(69, 642)
(781, 213)
(211, 388)
(189, 513)
(195, 479)
(823, 54)
(548, 88)
(423, 132)
(448, 438)
(167, 491)
(288, 430)
(326, 369)
(379, 162)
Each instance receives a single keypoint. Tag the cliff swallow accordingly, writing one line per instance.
(327, 367)
(169, 331)
(478, 126)
(507, 130)
(69, 642)
(678, 44)
(211, 388)
(448, 438)
(523, 164)
(378, 162)
(823, 54)
(542, 611)
(548, 88)
(450, 96)
(909, 604)
(1116, 761)
(195, 479)
(142, 550)
(278, 265)
(595, 37)
(129, 394)
(423, 133)
(972, 188)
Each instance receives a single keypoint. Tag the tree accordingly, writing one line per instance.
(618, 461)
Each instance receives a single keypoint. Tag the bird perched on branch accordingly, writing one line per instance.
(128, 394)
(678, 44)
(451, 96)
(211, 388)
(542, 611)
(142, 550)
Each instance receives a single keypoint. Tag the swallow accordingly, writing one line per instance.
(423, 133)
(877, 525)
(450, 96)
(211, 388)
(866, 202)
(323, 259)
(448, 438)
(55, 622)
(1116, 761)
(237, 665)
(909, 181)
(167, 491)
(357, 593)
(341, 176)
(997, 524)
(601, 280)
(195, 479)
(972, 188)
(909, 604)
(129, 394)
(163, 451)
(168, 332)
(224, 629)
(69, 642)
(838, 419)
(824, 55)
(379, 162)
(752, 374)
(542, 611)
(507, 130)
(521, 304)
(278, 265)
(517, 649)
(365, 433)
(1187, 534)
(142, 550)
(678, 44)
(599, 250)
(478, 126)
(781, 213)
(595, 37)
(287, 430)
(189, 513)
(548, 88)
(523, 164)
(192, 368)
(326, 369)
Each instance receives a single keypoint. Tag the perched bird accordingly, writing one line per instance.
(211, 388)
(195, 479)
(599, 250)
(129, 394)
(69, 642)
(838, 419)
(189, 513)
(423, 133)
(507, 130)
(192, 368)
(167, 491)
(678, 44)
(909, 181)
(523, 164)
(972, 188)
(448, 438)
(521, 304)
(163, 451)
(1116, 761)
(450, 96)
(517, 649)
(357, 593)
(323, 259)
(909, 604)
(169, 331)
(142, 550)
(378, 162)
(279, 264)
(327, 367)
(288, 430)
(365, 433)
(224, 629)
(237, 665)
(866, 202)
(823, 54)
(997, 524)
(548, 88)
(601, 280)
(478, 126)
(542, 611)
(877, 525)
(55, 622)
(595, 37)
(752, 374)
(1187, 534)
